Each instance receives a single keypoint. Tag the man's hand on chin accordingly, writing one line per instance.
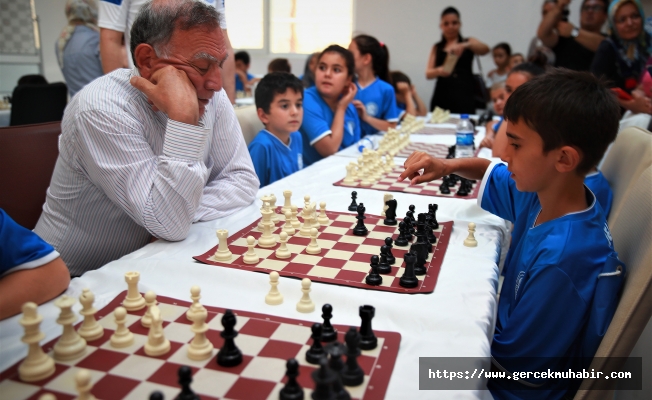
(169, 90)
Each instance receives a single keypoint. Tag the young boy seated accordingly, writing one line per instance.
(276, 150)
(30, 269)
(407, 97)
(546, 306)
(243, 79)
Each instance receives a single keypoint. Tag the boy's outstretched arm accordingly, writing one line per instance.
(435, 168)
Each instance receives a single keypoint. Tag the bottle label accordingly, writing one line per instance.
(464, 139)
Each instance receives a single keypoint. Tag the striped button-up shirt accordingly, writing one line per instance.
(125, 173)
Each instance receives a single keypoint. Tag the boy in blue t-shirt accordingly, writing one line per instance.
(276, 150)
(560, 289)
(30, 269)
(243, 79)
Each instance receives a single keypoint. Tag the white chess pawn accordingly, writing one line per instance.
(37, 365)
(200, 348)
(470, 240)
(157, 344)
(195, 295)
(272, 206)
(287, 206)
(349, 179)
(305, 305)
(306, 205)
(274, 297)
(84, 385)
(313, 247)
(283, 251)
(295, 221)
(47, 396)
(70, 344)
(134, 300)
(323, 218)
(287, 227)
(122, 337)
(150, 300)
(250, 256)
(223, 253)
(90, 329)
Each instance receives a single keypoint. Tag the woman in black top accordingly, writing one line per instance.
(454, 91)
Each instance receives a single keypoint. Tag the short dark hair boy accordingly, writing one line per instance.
(558, 126)
(276, 151)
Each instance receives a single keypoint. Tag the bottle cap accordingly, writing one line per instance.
(464, 116)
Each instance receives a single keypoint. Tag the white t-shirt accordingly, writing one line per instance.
(119, 15)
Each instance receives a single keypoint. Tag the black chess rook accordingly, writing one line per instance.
(409, 279)
(368, 340)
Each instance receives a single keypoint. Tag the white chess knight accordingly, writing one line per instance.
(150, 300)
(387, 197)
(305, 305)
(470, 240)
(37, 365)
(274, 297)
(222, 253)
(157, 344)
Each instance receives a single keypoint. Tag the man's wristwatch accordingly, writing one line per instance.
(575, 32)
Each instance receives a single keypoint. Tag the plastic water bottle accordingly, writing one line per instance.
(464, 137)
(368, 142)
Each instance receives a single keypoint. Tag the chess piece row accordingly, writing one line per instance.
(439, 116)
(369, 169)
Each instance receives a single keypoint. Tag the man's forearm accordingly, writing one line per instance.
(111, 50)
(590, 40)
(546, 28)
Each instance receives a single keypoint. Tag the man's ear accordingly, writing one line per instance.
(262, 116)
(143, 57)
(568, 158)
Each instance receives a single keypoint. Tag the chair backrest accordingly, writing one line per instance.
(632, 234)
(629, 156)
(27, 157)
(249, 122)
(34, 104)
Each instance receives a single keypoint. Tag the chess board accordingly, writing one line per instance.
(266, 342)
(388, 183)
(344, 259)
(436, 150)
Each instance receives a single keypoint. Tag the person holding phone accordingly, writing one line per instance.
(330, 121)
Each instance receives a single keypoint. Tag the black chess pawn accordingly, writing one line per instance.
(292, 390)
(156, 395)
(185, 379)
(432, 210)
(335, 351)
(368, 340)
(328, 332)
(383, 265)
(391, 260)
(390, 213)
(360, 228)
(354, 205)
(374, 277)
(402, 240)
(324, 379)
(352, 374)
(229, 355)
(409, 279)
(316, 351)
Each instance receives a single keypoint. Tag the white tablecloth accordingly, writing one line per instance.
(456, 320)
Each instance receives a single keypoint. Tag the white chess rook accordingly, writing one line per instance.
(223, 253)
(70, 344)
(134, 300)
(90, 329)
(37, 365)
(287, 205)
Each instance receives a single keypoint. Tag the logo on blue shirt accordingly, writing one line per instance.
(519, 280)
(607, 234)
(350, 127)
(372, 108)
(300, 160)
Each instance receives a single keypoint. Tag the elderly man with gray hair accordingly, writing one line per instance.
(147, 152)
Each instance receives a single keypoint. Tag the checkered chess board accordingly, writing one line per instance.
(266, 342)
(388, 183)
(344, 259)
(434, 149)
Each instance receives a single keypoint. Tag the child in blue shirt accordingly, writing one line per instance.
(276, 150)
(558, 285)
(243, 79)
(408, 100)
(30, 269)
(330, 122)
(375, 100)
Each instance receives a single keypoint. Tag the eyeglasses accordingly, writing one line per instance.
(594, 8)
(634, 17)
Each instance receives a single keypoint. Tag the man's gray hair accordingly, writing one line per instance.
(157, 20)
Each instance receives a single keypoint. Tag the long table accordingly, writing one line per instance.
(456, 320)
